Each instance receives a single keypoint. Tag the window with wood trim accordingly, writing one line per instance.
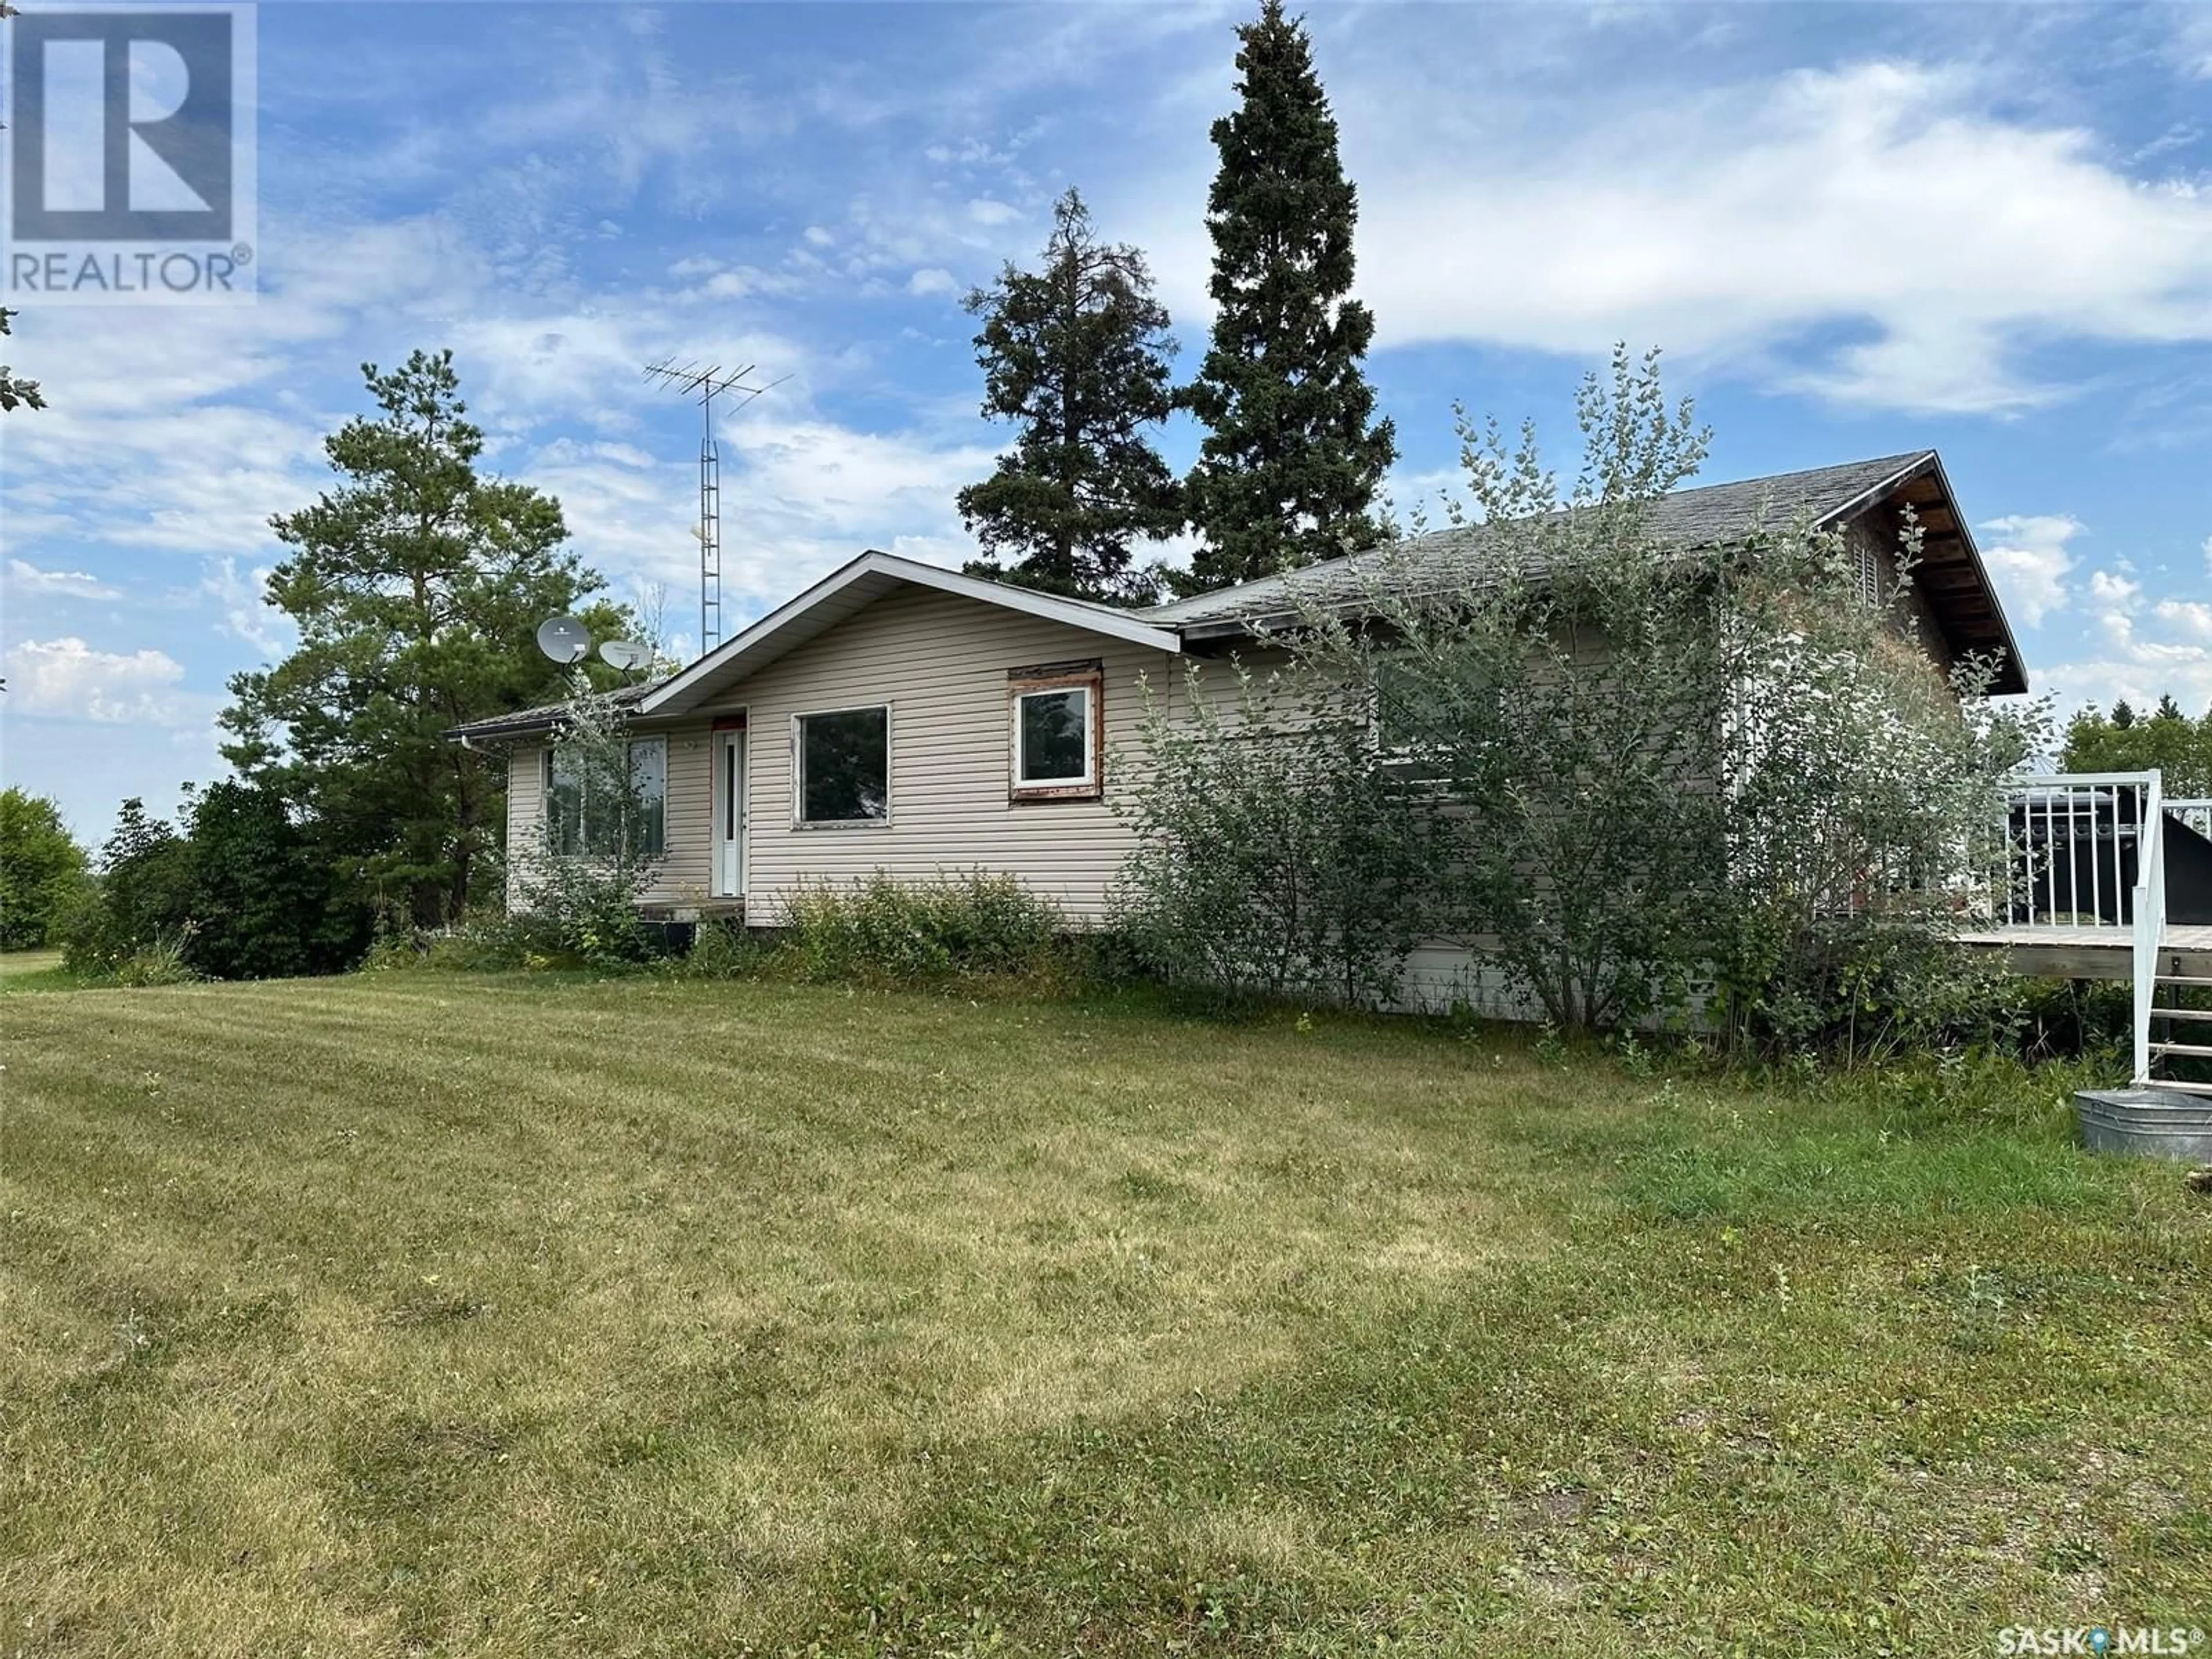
(1056, 738)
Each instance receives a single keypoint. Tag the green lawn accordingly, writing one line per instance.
(426, 1313)
(33, 970)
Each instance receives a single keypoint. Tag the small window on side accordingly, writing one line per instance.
(1054, 744)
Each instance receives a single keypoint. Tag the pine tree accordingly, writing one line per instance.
(1077, 354)
(416, 585)
(1288, 471)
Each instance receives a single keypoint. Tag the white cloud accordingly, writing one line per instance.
(2111, 589)
(2190, 46)
(2031, 562)
(61, 584)
(2192, 616)
(2141, 672)
(2207, 552)
(984, 210)
(2140, 652)
(2145, 652)
(933, 280)
(1732, 224)
(68, 678)
(246, 615)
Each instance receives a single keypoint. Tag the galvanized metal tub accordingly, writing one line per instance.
(2150, 1122)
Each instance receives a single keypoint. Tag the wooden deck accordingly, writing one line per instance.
(2093, 952)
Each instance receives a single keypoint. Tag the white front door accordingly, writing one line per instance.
(729, 814)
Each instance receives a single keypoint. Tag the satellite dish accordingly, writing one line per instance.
(564, 640)
(626, 653)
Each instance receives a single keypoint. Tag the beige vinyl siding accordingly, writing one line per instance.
(687, 866)
(940, 662)
(525, 810)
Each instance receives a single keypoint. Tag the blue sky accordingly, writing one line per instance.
(1855, 230)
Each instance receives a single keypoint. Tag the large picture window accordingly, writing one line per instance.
(1055, 739)
(844, 764)
(580, 818)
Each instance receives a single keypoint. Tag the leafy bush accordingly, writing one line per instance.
(1630, 773)
(722, 950)
(246, 894)
(584, 904)
(582, 908)
(266, 900)
(1872, 988)
(1273, 854)
(976, 925)
(144, 891)
(161, 962)
(42, 870)
(490, 944)
(2089, 1019)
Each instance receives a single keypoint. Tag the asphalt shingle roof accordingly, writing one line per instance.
(1708, 516)
(546, 714)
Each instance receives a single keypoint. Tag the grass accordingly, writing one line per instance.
(421, 1314)
(34, 970)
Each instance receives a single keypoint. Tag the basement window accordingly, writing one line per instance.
(1056, 737)
(842, 757)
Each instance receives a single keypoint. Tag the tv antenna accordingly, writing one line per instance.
(706, 382)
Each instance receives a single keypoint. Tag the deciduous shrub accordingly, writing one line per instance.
(42, 870)
(160, 961)
(974, 924)
(578, 882)
(485, 945)
(1272, 857)
(266, 901)
(722, 949)
(1649, 780)
(245, 893)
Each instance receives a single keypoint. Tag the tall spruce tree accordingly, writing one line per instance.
(1288, 471)
(1077, 354)
(417, 585)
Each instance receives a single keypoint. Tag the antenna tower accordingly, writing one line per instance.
(706, 382)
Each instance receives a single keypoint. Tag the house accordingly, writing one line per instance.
(902, 718)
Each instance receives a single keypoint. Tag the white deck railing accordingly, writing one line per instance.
(2086, 852)
(2075, 844)
(2195, 812)
(2150, 927)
